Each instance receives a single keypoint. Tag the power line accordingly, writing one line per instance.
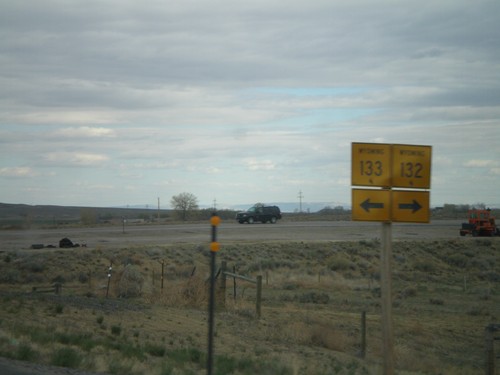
(300, 196)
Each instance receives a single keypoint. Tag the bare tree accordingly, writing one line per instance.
(184, 203)
(88, 216)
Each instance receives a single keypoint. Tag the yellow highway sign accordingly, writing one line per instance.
(410, 206)
(411, 166)
(371, 204)
(371, 164)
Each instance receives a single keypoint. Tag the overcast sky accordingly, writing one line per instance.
(116, 102)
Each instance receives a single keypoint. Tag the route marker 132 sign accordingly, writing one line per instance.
(387, 166)
(411, 166)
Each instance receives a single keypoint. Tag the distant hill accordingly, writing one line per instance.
(16, 211)
(17, 214)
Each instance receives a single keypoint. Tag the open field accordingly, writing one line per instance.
(445, 288)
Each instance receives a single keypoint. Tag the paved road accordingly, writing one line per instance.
(227, 232)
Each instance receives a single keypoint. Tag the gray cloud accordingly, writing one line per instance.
(262, 90)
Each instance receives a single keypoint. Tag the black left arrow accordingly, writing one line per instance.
(414, 206)
(367, 205)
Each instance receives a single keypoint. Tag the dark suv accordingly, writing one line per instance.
(260, 213)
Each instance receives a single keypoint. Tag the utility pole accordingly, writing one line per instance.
(300, 196)
(215, 204)
(158, 208)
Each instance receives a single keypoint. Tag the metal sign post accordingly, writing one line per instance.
(386, 302)
(214, 247)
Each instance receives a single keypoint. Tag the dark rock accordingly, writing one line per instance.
(65, 243)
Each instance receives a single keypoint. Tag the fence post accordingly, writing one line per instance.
(162, 274)
(214, 247)
(57, 288)
(490, 349)
(234, 284)
(259, 295)
(362, 353)
(222, 288)
(109, 278)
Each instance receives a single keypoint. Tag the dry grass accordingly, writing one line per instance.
(313, 297)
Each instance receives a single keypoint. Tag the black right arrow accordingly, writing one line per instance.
(367, 205)
(414, 206)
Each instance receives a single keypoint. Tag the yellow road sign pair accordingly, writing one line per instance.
(390, 205)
